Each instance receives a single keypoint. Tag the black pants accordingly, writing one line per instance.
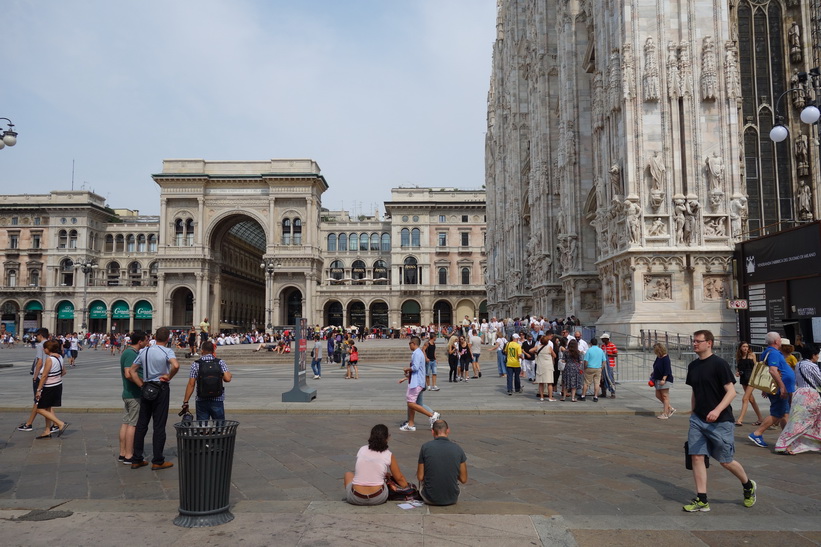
(453, 362)
(156, 411)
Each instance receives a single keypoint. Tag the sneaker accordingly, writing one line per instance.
(127, 461)
(758, 440)
(54, 428)
(510, 393)
(406, 427)
(696, 505)
(433, 418)
(583, 398)
(163, 465)
(672, 411)
(24, 427)
(595, 399)
(749, 495)
(120, 459)
(435, 388)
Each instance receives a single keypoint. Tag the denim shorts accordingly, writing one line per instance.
(778, 407)
(430, 368)
(711, 439)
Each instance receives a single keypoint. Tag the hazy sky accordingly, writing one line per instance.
(381, 93)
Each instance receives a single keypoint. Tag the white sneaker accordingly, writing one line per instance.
(406, 427)
(315, 376)
(433, 418)
(435, 388)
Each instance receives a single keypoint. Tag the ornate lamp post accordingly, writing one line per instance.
(9, 136)
(269, 264)
(85, 265)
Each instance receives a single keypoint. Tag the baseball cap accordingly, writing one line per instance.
(515, 336)
(606, 335)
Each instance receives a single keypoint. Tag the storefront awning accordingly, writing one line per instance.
(119, 310)
(97, 310)
(34, 305)
(143, 310)
(65, 310)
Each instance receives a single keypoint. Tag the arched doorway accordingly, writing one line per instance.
(33, 318)
(483, 311)
(379, 315)
(356, 315)
(9, 317)
(333, 314)
(143, 316)
(238, 243)
(443, 313)
(120, 316)
(293, 306)
(411, 313)
(182, 307)
(97, 313)
(65, 317)
(463, 308)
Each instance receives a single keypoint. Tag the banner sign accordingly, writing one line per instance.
(783, 255)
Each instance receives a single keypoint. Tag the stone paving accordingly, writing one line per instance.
(540, 473)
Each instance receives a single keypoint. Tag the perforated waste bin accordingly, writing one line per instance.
(206, 454)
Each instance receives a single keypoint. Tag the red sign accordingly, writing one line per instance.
(303, 344)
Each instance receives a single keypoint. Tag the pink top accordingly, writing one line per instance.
(371, 467)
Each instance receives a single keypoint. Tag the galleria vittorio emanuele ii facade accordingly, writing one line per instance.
(628, 151)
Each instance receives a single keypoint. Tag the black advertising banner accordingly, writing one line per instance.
(789, 254)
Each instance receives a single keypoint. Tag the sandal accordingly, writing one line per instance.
(45, 436)
(738, 424)
(757, 423)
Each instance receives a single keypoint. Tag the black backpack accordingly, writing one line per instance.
(209, 379)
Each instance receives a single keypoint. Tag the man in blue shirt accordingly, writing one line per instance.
(594, 360)
(415, 374)
(784, 377)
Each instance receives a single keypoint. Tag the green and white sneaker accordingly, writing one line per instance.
(749, 495)
(698, 505)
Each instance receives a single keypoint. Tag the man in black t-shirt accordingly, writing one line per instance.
(441, 463)
(711, 421)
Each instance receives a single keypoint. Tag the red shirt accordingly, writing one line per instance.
(611, 350)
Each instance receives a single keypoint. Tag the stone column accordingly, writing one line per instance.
(160, 311)
(200, 300)
(200, 221)
(130, 321)
(216, 307)
(163, 221)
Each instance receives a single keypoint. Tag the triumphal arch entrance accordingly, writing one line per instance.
(239, 242)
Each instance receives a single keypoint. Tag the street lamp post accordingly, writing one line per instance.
(9, 136)
(85, 265)
(270, 265)
(810, 115)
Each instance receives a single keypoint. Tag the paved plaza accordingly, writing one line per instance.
(540, 473)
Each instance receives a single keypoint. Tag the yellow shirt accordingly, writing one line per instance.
(514, 352)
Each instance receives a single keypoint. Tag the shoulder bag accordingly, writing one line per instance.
(762, 379)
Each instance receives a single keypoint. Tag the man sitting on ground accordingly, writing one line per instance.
(441, 463)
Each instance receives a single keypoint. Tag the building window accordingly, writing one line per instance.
(358, 272)
(14, 241)
(443, 218)
(11, 278)
(72, 239)
(332, 242)
(465, 276)
(134, 274)
(36, 241)
(130, 243)
(141, 243)
(109, 243)
(37, 221)
(113, 274)
(120, 245)
(179, 232)
(380, 270)
(67, 273)
(375, 242)
(465, 238)
(286, 231)
(442, 239)
(353, 242)
(62, 239)
(343, 242)
(189, 232)
(297, 231)
(405, 238)
(464, 218)
(443, 276)
(34, 278)
(410, 271)
(152, 243)
(386, 243)
(415, 239)
(154, 273)
(337, 270)
(15, 221)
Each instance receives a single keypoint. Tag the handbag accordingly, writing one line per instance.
(399, 493)
(762, 379)
(151, 390)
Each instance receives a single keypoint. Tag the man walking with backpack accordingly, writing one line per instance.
(207, 374)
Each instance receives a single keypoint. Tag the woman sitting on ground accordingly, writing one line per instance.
(374, 463)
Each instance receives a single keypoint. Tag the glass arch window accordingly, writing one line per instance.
(286, 231)
(154, 272)
(179, 233)
(189, 232)
(337, 270)
(141, 243)
(12, 278)
(297, 231)
(380, 270)
(343, 242)
(363, 242)
(130, 243)
(404, 238)
(109, 243)
(353, 242)
(34, 278)
(415, 237)
(113, 274)
(134, 274)
(465, 276)
(120, 244)
(62, 239)
(410, 271)
(67, 272)
(386, 242)
(152, 243)
(72, 239)
(443, 276)
(358, 272)
(374, 242)
(332, 242)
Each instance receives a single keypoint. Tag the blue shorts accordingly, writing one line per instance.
(778, 407)
(711, 439)
(430, 368)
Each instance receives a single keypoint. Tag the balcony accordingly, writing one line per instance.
(24, 290)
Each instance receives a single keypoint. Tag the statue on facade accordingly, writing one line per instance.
(709, 74)
(738, 215)
(626, 288)
(804, 201)
(657, 288)
(715, 171)
(627, 73)
(615, 83)
(685, 70)
(598, 101)
(799, 96)
(679, 210)
(801, 158)
(658, 228)
(567, 252)
(692, 207)
(713, 288)
(615, 179)
(632, 215)
(796, 51)
(673, 83)
(657, 170)
(650, 80)
(714, 227)
(732, 76)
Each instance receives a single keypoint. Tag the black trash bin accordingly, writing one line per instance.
(206, 454)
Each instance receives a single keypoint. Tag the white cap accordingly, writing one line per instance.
(606, 335)
(515, 336)
(786, 342)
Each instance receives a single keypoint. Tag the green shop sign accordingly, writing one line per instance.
(65, 310)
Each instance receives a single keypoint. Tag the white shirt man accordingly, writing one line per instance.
(583, 346)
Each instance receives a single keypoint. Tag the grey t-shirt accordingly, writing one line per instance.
(442, 459)
(154, 361)
(317, 349)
